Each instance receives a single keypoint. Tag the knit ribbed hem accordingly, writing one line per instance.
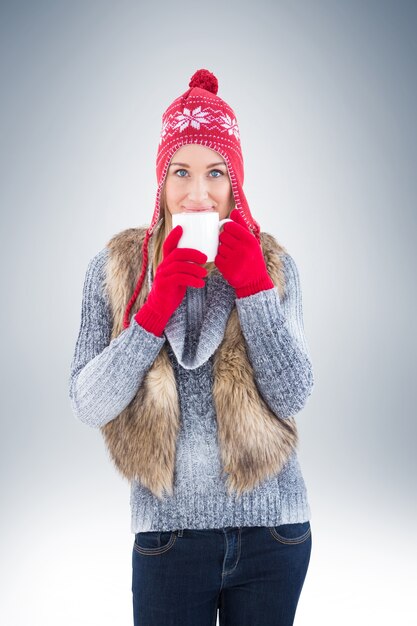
(150, 320)
(264, 282)
(194, 511)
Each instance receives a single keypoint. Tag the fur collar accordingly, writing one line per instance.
(254, 443)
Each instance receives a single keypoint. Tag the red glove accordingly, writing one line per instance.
(240, 258)
(178, 270)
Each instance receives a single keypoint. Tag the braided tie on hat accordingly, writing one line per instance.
(126, 317)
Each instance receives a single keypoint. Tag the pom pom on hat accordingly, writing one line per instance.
(205, 80)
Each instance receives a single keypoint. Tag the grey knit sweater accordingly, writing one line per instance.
(105, 376)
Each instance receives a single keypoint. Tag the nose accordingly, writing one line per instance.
(198, 189)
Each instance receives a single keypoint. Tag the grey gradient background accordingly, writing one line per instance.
(325, 96)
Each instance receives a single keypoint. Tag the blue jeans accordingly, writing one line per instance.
(252, 574)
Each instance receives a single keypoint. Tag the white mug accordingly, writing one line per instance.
(200, 230)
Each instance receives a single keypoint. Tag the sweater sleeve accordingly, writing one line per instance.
(277, 347)
(105, 375)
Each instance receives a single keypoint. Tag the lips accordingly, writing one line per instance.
(198, 208)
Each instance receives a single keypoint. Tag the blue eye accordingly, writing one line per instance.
(218, 171)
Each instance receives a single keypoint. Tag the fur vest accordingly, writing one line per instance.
(254, 443)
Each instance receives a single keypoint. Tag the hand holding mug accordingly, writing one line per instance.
(179, 269)
(240, 258)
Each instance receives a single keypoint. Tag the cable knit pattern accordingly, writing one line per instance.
(280, 360)
(104, 378)
(105, 375)
(194, 338)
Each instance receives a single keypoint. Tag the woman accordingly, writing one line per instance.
(194, 376)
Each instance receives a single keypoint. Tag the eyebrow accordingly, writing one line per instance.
(208, 166)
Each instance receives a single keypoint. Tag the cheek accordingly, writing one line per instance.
(229, 191)
(171, 191)
(229, 198)
(225, 212)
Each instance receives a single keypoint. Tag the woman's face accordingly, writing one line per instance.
(197, 178)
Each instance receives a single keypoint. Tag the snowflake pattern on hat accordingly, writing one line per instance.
(165, 125)
(195, 118)
(231, 125)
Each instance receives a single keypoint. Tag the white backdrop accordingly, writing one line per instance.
(325, 97)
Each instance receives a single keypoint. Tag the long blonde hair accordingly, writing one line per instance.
(164, 228)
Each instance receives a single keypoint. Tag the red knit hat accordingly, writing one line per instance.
(198, 116)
